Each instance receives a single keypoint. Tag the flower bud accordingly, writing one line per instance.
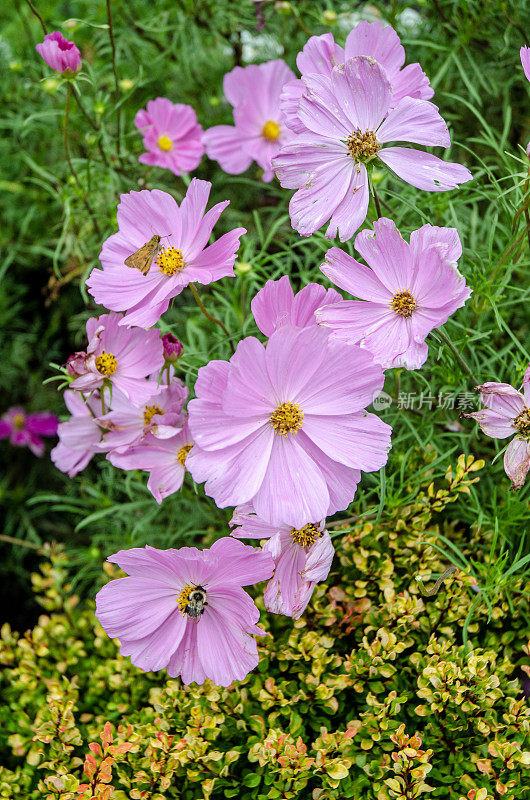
(60, 54)
(173, 349)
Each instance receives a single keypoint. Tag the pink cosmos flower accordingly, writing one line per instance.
(259, 129)
(276, 305)
(60, 54)
(173, 349)
(349, 120)
(301, 559)
(409, 290)
(25, 430)
(117, 356)
(507, 412)
(80, 435)
(185, 256)
(172, 136)
(186, 610)
(321, 54)
(165, 459)
(284, 426)
(129, 422)
(525, 60)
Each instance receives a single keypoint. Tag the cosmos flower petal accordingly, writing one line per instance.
(378, 41)
(415, 121)
(423, 170)
(224, 144)
(517, 461)
(370, 434)
(525, 60)
(363, 91)
(353, 277)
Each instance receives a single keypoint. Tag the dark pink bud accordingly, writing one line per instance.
(60, 54)
(173, 349)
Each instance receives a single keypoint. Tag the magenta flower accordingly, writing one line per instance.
(409, 290)
(507, 412)
(284, 426)
(259, 129)
(129, 422)
(184, 257)
(525, 60)
(276, 305)
(25, 430)
(164, 459)
(173, 349)
(172, 136)
(186, 610)
(117, 356)
(60, 54)
(349, 120)
(321, 54)
(301, 559)
(80, 435)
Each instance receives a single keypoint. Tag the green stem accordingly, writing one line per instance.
(461, 360)
(116, 81)
(377, 204)
(83, 110)
(70, 164)
(36, 13)
(210, 317)
(21, 542)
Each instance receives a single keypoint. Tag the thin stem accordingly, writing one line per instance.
(83, 110)
(21, 542)
(377, 204)
(116, 81)
(463, 363)
(210, 317)
(36, 13)
(70, 164)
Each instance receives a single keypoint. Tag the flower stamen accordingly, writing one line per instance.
(307, 535)
(287, 418)
(106, 363)
(183, 452)
(170, 261)
(149, 413)
(165, 143)
(403, 303)
(362, 145)
(192, 600)
(271, 131)
(522, 423)
(18, 421)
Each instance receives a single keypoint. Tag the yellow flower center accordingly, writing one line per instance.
(18, 421)
(271, 131)
(150, 412)
(362, 145)
(106, 363)
(287, 418)
(165, 143)
(403, 303)
(170, 261)
(182, 453)
(192, 600)
(522, 423)
(307, 535)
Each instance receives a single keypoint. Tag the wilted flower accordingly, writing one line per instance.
(284, 426)
(80, 435)
(259, 128)
(186, 610)
(165, 459)
(409, 290)
(172, 136)
(60, 54)
(507, 412)
(321, 54)
(25, 430)
(184, 257)
(276, 305)
(349, 119)
(117, 356)
(301, 559)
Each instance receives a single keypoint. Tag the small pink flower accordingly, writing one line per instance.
(507, 412)
(172, 136)
(184, 257)
(117, 356)
(129, 423)
(409, 290)
(165, 459)
(301, 559)
(186, 610)
(259, 129)
(80, 435)
(173, 349)
(321, 54)
(25, 430)
(525, 60)
(60, 54)
(284, 426)
(276, 305)
(349, 121)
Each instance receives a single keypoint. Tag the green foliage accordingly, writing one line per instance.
(372, 693)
